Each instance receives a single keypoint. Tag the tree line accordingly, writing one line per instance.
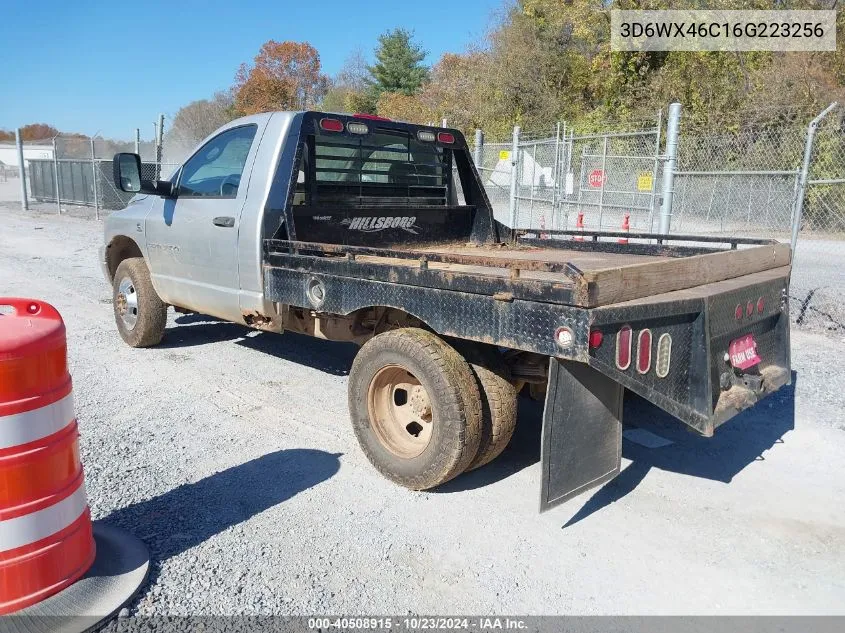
(545, 61)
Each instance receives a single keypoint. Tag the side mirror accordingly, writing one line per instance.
(127, 177)
(127, 172)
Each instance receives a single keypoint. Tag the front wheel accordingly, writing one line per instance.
(415, 408)
(138, 311)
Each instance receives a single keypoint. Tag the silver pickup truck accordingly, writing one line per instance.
(358, 228)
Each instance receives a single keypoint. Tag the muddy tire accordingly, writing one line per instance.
(415, 408)
(138, 311)
(498, 401)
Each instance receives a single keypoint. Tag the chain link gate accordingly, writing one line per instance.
(605, 177)
(608, 178)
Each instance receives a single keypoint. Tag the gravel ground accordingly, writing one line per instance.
(230, 453)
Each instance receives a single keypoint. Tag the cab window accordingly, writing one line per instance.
(216, 169)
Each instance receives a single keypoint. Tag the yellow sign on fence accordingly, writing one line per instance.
(645, 181)
(504, 154)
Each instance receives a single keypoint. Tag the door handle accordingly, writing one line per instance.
(225, 221)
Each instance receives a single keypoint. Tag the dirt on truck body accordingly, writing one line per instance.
(356, 228)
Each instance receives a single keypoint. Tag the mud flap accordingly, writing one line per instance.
(582, 431)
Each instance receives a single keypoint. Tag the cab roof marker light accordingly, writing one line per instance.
(664, 355)
(371, 117)
(355, 127)
(426, 136)
(446, 137)
(623, 347)
(331, 125)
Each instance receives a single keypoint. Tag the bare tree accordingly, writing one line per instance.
(197, 120)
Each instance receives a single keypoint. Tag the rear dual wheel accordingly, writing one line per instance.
(422, 414)
(415, 408)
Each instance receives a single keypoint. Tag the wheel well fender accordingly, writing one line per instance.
(388, 315)
(118, 249)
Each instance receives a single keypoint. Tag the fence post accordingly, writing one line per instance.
(22, 170)
(94, 181)
(672, 132)
(603, 181)
(478, 151)
(56, 170)
(159, 141)
(138, 141)
(514, 176)
(656, 168)
(803, 175)
(556, 175)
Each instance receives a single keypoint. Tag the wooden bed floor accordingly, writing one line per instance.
(584, 260)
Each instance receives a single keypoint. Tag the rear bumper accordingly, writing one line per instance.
(744, 396)
(701, 388)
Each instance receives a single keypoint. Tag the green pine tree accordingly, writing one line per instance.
(398, 66)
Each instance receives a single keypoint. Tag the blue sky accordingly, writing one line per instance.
(112, 65)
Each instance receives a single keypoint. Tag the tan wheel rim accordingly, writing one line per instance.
(400, 411)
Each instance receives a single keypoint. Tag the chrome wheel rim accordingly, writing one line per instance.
(127, 303)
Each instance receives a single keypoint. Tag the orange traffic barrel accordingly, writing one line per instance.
(626, 227)
(579, 225)
(46, 540)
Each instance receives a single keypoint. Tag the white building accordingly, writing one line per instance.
(9, 153)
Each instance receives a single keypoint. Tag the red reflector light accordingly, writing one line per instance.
(446, 137)
(644, 352)
(33, 308)
(738, 312)
(371, 117)
(749, 308)
(331, 125)
(761, 304)
(596, 338)
(623, 347)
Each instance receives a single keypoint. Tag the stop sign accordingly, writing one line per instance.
(596, 178)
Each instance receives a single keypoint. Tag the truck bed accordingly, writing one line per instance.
(591, 273)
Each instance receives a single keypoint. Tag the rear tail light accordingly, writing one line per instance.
(623, 347)
(644, 351)
(749, 308)
(664, 356)
(425, 136)
(357, 128)
(331, 125)
(446, 137)
(738, 312)
(761, 305)
(596, 337)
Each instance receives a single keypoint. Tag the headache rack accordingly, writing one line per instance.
(385, 168)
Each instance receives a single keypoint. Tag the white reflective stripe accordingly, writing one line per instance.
(37, 525)
(22, 428)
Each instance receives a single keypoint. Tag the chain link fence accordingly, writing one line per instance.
(75, 172)
(818, 278)
(725, 182)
